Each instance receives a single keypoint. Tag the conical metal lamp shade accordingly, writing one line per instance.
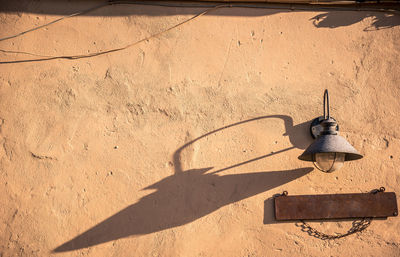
(330, 144)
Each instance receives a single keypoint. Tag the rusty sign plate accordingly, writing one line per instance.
(335, 206)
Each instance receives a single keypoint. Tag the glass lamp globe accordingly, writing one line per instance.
(329, 162)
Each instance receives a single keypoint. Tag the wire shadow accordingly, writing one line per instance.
(189, 195)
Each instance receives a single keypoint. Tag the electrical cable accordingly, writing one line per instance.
(72, 57)
(52, 22)
(290, 7)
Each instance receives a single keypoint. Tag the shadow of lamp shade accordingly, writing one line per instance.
(329, 151)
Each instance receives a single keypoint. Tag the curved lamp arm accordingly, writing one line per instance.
(326, 105)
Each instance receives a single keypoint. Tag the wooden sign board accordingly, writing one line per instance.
(335, 206)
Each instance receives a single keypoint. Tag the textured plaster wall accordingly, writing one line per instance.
(175, 147)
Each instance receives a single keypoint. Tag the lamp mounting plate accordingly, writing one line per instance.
(316, 128)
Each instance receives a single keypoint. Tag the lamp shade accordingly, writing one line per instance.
(330, 144)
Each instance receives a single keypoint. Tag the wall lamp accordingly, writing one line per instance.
(329, 150)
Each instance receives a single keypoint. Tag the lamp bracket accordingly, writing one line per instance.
(316, 128)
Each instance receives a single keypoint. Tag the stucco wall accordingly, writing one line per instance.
(153, 151)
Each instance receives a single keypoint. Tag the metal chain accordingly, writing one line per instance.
(357, 225)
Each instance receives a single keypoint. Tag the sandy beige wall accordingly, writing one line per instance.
(129, 153)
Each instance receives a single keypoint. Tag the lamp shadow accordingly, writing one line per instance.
(335, 19)
(190, 194)
(181, 199)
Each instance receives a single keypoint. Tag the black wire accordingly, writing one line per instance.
(81, 56)
(55, 21)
